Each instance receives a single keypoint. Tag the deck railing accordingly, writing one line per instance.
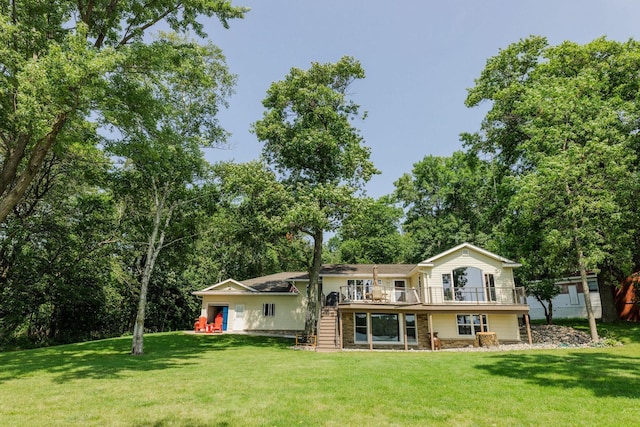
(492, 295)
(363, 293)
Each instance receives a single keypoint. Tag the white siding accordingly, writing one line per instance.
(563, 309)
(290, 310)
(503, 276)
(504, 325)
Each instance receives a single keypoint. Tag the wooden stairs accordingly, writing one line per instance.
(328, 339)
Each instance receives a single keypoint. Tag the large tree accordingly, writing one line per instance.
(448, 201)
(56, 59)
(369, 234)
(564, 123)
(159, 144)
(312, 144)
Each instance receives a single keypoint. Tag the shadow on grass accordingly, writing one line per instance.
(107, 359)
(604, 374)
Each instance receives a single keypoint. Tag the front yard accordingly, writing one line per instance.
(229, 380)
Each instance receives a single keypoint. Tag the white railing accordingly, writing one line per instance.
(370, 293)
(493, 295)
(363, 293)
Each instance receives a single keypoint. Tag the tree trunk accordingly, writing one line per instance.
(313, 306)
(548, 309)
(587, 295)
(583, 275)
(11, 196)
(549, 315)
(609, 311)
(137, 347)
(153, 249)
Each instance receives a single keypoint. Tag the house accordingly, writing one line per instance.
(569, 303)
(458, 294)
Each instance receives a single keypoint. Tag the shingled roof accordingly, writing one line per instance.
(279, 282)
(366, 269)
(283, 282)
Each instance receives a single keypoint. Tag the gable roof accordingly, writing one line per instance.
(429, 262)
(227, 282)
(273, 283)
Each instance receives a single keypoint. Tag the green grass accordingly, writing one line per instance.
(237, 380)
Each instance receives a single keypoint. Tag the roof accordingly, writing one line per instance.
(505, 262)
(273, 283)
(279, 282)
(366, 269)
(284, 282)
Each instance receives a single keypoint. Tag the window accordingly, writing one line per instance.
(268, 309)
(467, 282)
(469, 324)
(446, 285)
(383, 327)
(490, 285)
(410, 328)
(361, 327)
(400, 290)
(355, 289)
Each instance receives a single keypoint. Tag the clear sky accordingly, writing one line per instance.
(419, 58)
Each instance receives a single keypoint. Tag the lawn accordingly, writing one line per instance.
(238, 380)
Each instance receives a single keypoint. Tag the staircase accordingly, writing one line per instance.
(328, 330)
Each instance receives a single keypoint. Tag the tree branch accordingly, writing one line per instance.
(38, 155)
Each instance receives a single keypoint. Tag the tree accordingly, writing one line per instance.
(544, 291)
(311, 143)
(56, 256)
(164, 118)
(248, 236)
(564, 122)
(447, 202)
(370, 234)
(56, 60)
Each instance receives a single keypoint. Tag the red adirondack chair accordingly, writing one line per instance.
(216, 326)
(200, 325)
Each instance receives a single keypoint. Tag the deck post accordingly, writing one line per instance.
(340, 329)
(433, 345)
(406, 345)
(526, 321)
(370, 332)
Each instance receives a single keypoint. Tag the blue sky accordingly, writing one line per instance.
(419, 57)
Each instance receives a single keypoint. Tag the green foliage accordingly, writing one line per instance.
(307, 126)
(248, 235)
(369, 234)
(311, 143)
(563, 122)
(58, 66)
(563, 128)
(448, 201)
(57, 255)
